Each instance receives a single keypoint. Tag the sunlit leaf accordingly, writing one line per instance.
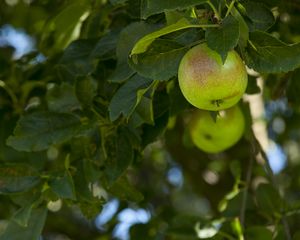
(160, 62)
(142, 45)
(150, 7)
(127, 39)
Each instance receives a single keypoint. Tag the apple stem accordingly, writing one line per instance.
(217, 102)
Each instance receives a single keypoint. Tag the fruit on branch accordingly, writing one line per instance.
(215, 135)
(209, 84)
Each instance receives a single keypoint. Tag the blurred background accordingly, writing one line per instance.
(186, 191)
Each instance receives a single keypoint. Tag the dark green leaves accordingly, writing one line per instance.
(258, 233)
(77, 57)
(260, 17)
(85, 88)
(161, 60)
(267, 54)
(142, 45)
(268, 199)
(80, 56)
(63, 26)
(17, 178)
(150, 7)
(22, 216)
(32, 232)
(128, 96)
(62, 185)
(224, 38)
(106, 46)
(121, 157)
(243, 28)
(128, 37)
(62, 98)
(38, 131)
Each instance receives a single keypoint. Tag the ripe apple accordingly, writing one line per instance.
(215, 136)
(209, 84)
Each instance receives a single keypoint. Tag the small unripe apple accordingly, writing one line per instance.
(214, 136)
(208, 83)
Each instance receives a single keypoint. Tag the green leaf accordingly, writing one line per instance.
(63, 185)
(62, 27)
(105, 47)
(85, 88)
(151, 7)
(22, 216)
(40, 130)
(261, 18)
(91, 208)
(145, 107)
(117, 164)
(178, 103)
(76, 57)
(258, 233)
(128, 37)
(172, 16)
(32, 232)
(125, 191)
(243, 28)
(122, 72)
(224, 38)
(267, 54)
(268, 199)
(151, 133)
(143, 113)
(82, 183)
(128, 96)
(142, 45)
(160, 62)
(62, 98)
(17, 178)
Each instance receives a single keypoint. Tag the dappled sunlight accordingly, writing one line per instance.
(127, 218)
(17, 38)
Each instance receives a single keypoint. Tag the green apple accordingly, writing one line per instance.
(215, 136)
(209, 84)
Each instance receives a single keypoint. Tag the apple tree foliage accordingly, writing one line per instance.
(94, 112)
